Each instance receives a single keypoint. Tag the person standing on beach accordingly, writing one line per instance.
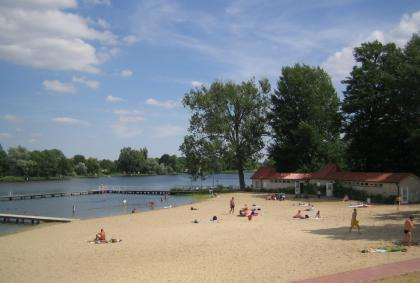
(408, 230)
(232, 205)
(354, 221)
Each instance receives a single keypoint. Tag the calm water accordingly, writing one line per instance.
(100, 205)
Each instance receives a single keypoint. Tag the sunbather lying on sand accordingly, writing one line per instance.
(300, 216)
(310, 208)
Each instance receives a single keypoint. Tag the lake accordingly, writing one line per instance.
(91, 206)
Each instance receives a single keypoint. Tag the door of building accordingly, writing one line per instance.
(405, 195)
(297, 188)
(329, 189)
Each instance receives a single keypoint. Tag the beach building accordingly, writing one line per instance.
(387, 184)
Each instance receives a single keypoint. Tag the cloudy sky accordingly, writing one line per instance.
(93, 76)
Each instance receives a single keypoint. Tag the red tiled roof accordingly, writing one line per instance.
(268, 172)
(331, 172)
(325, 171)
(378, 177)
(264, 172)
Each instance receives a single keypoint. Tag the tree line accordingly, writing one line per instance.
(21, 162)
(303, 123)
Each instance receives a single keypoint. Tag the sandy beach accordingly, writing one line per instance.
(165, 246)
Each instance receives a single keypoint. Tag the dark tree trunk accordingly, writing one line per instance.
(241, 176)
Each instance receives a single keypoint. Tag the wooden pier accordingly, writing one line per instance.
(91, 192)
(16, 218)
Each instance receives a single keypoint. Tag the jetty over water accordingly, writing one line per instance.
(118, 190)
(17, 218)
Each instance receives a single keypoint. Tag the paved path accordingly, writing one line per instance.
(369, 274)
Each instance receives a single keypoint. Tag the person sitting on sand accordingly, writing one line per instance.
(346, 198)
(354, 221)
(194, 208)
(100, 237)
(299, 215)
(408, 230)
(244, 211)
(134, 210)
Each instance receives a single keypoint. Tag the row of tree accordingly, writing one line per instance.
(18, 161)
(303, 123)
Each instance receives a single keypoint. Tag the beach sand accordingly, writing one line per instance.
(164, 245)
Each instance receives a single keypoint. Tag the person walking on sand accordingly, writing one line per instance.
(354, 221)
(232, 205)
(408, 230)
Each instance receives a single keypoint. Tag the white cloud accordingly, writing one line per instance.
(98, 2)
(113, 99)
(57, 86)
(70, 121)
(166, 131)
(196, 84)
(245, 39)
(42, 34)
(130, 39)
(100, 23)
(128, 123)
(126, 73)
(12, 118)
(165, 103)
(4, 136)
(89, 83)
(124, 131)
(341, 62)
(129, 116)
(32, 140)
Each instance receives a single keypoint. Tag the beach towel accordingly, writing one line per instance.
(112, 241)
(388, 249)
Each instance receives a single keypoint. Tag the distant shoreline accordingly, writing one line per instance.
(21, 179)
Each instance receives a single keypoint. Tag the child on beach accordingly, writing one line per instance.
(232, 205)
(408, 230)
(354, 222)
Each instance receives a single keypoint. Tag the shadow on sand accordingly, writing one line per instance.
(387, 232)
(399, 215)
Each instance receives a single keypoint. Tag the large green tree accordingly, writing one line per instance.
(305, 120)
(3, 161)
(227, 119)
(381, 107)
(133, 161)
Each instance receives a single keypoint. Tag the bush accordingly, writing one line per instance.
(309, 189)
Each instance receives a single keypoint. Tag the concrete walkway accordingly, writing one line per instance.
(369, 274)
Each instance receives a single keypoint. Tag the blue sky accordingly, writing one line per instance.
(93, 76)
